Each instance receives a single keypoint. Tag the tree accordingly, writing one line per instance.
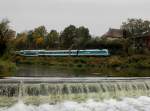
(21, 40)
(39, 34)
(134, 30)
(6, 34)
(83, 36)
(40, 31)
(67, 37)
(75, 38)
(136, 27)
(30, 40)
(52, 40)
(39, 42)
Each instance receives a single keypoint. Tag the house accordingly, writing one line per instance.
(138, 41)
(113, 34)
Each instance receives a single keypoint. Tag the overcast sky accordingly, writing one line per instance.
(97, 15)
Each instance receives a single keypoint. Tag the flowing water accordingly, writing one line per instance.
(75, 94)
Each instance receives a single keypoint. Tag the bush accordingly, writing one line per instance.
(7, 68)
(115, 61)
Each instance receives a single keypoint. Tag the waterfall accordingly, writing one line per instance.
(54, 90)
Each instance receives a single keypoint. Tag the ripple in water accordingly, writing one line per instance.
(126, 104)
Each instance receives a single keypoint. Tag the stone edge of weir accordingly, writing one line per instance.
(70, 80)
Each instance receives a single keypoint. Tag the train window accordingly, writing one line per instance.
(30, 53)
(65, 52)
(103, 51)
(41, 52)
(21, 52)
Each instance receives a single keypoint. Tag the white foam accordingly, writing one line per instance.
(126, 104)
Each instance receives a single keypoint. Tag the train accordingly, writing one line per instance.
(61, 53)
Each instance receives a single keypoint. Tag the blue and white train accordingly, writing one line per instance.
(63, 53)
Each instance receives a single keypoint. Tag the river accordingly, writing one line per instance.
(77, 71)
(54, 71)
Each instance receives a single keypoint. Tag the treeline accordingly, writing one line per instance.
(73, 37)
(39, 38)
(70, 38)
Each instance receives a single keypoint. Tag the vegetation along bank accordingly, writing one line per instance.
(136, 65)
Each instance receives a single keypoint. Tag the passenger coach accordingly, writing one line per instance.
(61, 53)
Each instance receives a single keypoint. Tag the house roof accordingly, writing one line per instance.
(113, 33)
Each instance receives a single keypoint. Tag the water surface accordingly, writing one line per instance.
(56, 71)
(77, 71)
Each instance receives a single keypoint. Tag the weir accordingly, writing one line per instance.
(54, 90)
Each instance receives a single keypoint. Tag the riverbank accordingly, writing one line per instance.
(7, 68)
(116, 66)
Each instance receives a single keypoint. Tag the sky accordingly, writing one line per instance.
(97, 15)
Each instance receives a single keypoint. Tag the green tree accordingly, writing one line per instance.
(68, 36)
(83, 36)
(75, 38)
(52, 40)
(6, 34)
(30, 40)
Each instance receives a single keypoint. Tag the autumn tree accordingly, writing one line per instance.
(39, 35)
(39, 42)
(21, 40)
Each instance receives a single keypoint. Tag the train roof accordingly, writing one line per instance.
(66, 50)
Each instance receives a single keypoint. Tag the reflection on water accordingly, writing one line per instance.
(78, 71)
(55, 71)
